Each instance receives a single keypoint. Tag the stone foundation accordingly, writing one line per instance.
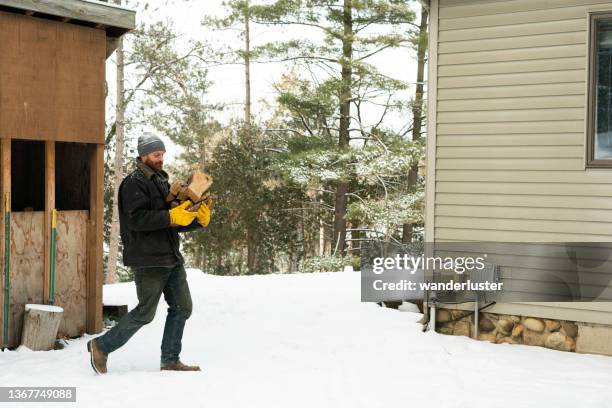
(497, 328)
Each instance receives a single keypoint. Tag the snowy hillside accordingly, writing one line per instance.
(305, 340)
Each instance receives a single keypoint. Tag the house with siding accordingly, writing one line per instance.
(519, 149)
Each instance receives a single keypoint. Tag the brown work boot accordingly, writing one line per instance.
(97, 357)
(179, 366)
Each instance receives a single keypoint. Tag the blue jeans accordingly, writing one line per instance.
(151, 282)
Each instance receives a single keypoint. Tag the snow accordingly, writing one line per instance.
(408, 307)
(306, 340)
(46, 308)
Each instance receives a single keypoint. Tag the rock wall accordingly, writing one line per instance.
(497, 328)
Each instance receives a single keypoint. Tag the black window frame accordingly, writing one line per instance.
(591, 162)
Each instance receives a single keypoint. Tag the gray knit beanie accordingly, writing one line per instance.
(148, 143)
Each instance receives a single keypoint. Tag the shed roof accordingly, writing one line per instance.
(115, 20)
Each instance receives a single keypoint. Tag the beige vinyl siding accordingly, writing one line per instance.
(510, 116)
(551, 64)
(515, 12)
(533, 90)
(526, 201)
(505, 31)
(525, 176)
(509, 85)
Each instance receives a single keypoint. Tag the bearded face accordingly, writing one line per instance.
(155, 160)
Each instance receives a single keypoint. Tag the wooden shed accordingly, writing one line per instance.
(52, 129)
(519, 144)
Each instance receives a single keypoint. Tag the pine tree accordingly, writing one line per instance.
(353, 32)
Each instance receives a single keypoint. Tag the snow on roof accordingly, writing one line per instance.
(114, 19)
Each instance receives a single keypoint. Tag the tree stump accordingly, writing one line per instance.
(40, 326)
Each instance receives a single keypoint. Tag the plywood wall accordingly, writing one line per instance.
(27, 260)
(51, 80)
(70, 271)
(27, 274)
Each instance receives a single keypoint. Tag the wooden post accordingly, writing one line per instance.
(5, 187)
(95, 271)
(49, 206)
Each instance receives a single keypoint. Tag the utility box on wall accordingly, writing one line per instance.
(52, 94)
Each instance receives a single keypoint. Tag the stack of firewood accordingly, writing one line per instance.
(195, 189)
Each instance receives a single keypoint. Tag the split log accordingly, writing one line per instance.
(197, 185)
(175, 189)
(40, 326)
(196, 190)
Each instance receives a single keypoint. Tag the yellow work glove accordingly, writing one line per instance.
(180, 216)
(203, 214)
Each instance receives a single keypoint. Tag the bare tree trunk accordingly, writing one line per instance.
(328, 242)
(321, 246)
(345, 120)
(111, 276)
(321, 237)
(302, 231)
(251, 252)
(251, 242)
(247, 69)
(198, 256)
(202, 154)
(219, 263)
(417, 112)
(204, 264)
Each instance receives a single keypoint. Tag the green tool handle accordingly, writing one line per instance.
(7, 255)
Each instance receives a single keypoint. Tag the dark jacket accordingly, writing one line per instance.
(144, 221)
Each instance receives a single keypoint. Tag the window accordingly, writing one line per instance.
(599, 116)
(27, 175)
(71, 176)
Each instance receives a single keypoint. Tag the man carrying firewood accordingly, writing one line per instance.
(150, 236)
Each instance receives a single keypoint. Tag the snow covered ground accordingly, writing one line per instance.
(305, 340)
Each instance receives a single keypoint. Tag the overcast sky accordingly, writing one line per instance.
(228, 81)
